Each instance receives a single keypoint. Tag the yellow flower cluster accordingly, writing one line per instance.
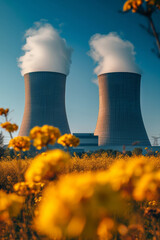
(4, 111)
(136, 178)
(24, 188)
(47, 165)
(68, 140)
(86, 208)
(10, 205)
(20, 143)
(135, 4)
(89, 201)
(9, 127)
(148, 187)
(104, 229)
(132, 4)
(42, 136)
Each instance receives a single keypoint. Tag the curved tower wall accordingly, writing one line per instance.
(44, 101)
(119, 120)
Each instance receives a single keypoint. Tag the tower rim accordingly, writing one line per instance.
(44, 72)
(108, 73)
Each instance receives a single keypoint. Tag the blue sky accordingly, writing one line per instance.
(77, 21)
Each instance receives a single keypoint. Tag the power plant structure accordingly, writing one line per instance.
(155, 140)
(119, 120)
(44, 101)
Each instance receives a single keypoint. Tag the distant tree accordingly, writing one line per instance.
(145, 8)
(137, 151)
(128, 153)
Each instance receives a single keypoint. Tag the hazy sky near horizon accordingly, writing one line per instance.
(77, 21)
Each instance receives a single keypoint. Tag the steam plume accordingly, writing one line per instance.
(112, 54)
(45, 50)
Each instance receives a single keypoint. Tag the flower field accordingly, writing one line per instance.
(95, 196)
(103, 195)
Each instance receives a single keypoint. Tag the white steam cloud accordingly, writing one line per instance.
(45, 50)
(112, 54)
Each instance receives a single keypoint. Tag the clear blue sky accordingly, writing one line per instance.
(77, 21)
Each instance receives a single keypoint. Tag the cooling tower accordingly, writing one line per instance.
(44, 101)
(119, 120)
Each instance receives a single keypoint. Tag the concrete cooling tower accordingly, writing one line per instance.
(119, 119)
(44, 101)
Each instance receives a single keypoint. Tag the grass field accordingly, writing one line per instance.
(95, 196)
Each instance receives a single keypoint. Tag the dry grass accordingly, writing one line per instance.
(102, 161)
(9, 168)
(91, 162)
(10, 172)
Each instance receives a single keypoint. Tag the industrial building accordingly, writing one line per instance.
(44, 101)
(87, 139)
(119, 120)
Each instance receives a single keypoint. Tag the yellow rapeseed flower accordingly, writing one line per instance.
(35, 132)
(148, 187)
(104, 229)
(127, 5)
(20, 143)
(42, 136)
(10, 205)
(125, 176)
(9, 127)
(152, 203)
(4, 111)
(75, 196)
(46, 166)
(68, 140)
(25, 188)
(135, 5)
